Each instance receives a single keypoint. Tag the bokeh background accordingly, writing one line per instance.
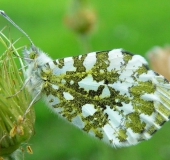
(133, 25)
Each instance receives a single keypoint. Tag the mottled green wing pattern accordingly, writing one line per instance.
(111, 95)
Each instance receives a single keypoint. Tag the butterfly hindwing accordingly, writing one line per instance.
(110, 95)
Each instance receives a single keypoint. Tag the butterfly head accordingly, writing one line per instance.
(30, 54)
(34, 55)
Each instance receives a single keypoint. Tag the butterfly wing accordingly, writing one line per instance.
(111, 95)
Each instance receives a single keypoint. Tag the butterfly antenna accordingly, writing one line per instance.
(12, 22)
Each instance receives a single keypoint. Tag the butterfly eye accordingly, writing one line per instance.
(33, 55)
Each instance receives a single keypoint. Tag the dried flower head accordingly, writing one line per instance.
(160, 60)
(14, 129)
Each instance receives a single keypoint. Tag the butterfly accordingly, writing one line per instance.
(111, 95)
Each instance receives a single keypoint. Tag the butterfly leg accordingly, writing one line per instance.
(25, 83)
(31, 103)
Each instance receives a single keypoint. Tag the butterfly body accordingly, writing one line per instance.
(34, 59)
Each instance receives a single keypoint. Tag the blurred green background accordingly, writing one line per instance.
(133, 25)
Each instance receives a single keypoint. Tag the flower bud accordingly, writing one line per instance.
(159, 59)
(81, 18)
